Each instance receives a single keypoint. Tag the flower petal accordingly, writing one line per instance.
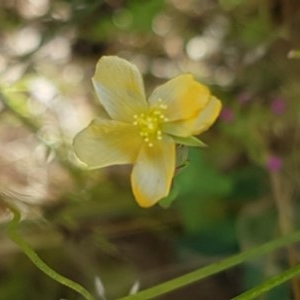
(208, 116)
(183, 96)
(119, 86)
(106, 142)
(153, 171)
(196, 125)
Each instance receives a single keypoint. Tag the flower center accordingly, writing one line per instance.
(149, 123)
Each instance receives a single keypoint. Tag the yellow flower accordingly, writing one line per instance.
(144, 132)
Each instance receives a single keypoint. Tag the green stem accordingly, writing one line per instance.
(214, 268)
(269, 284)
(12, 233)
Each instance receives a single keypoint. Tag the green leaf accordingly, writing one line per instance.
(189, 141)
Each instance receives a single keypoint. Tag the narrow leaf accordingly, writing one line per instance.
(189, 141)
(269, 284)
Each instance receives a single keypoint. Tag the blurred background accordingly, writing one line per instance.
(239, 192)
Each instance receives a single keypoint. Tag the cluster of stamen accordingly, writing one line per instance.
(149, 123)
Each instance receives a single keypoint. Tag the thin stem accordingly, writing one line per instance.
(282, 196)
(269, 284)
(37, 260)
(214, 268)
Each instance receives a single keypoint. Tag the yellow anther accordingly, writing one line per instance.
(149, 123)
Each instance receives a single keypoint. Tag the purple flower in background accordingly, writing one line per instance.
(278, 106)
(274, 163)
(226, 115)
(244, 98)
